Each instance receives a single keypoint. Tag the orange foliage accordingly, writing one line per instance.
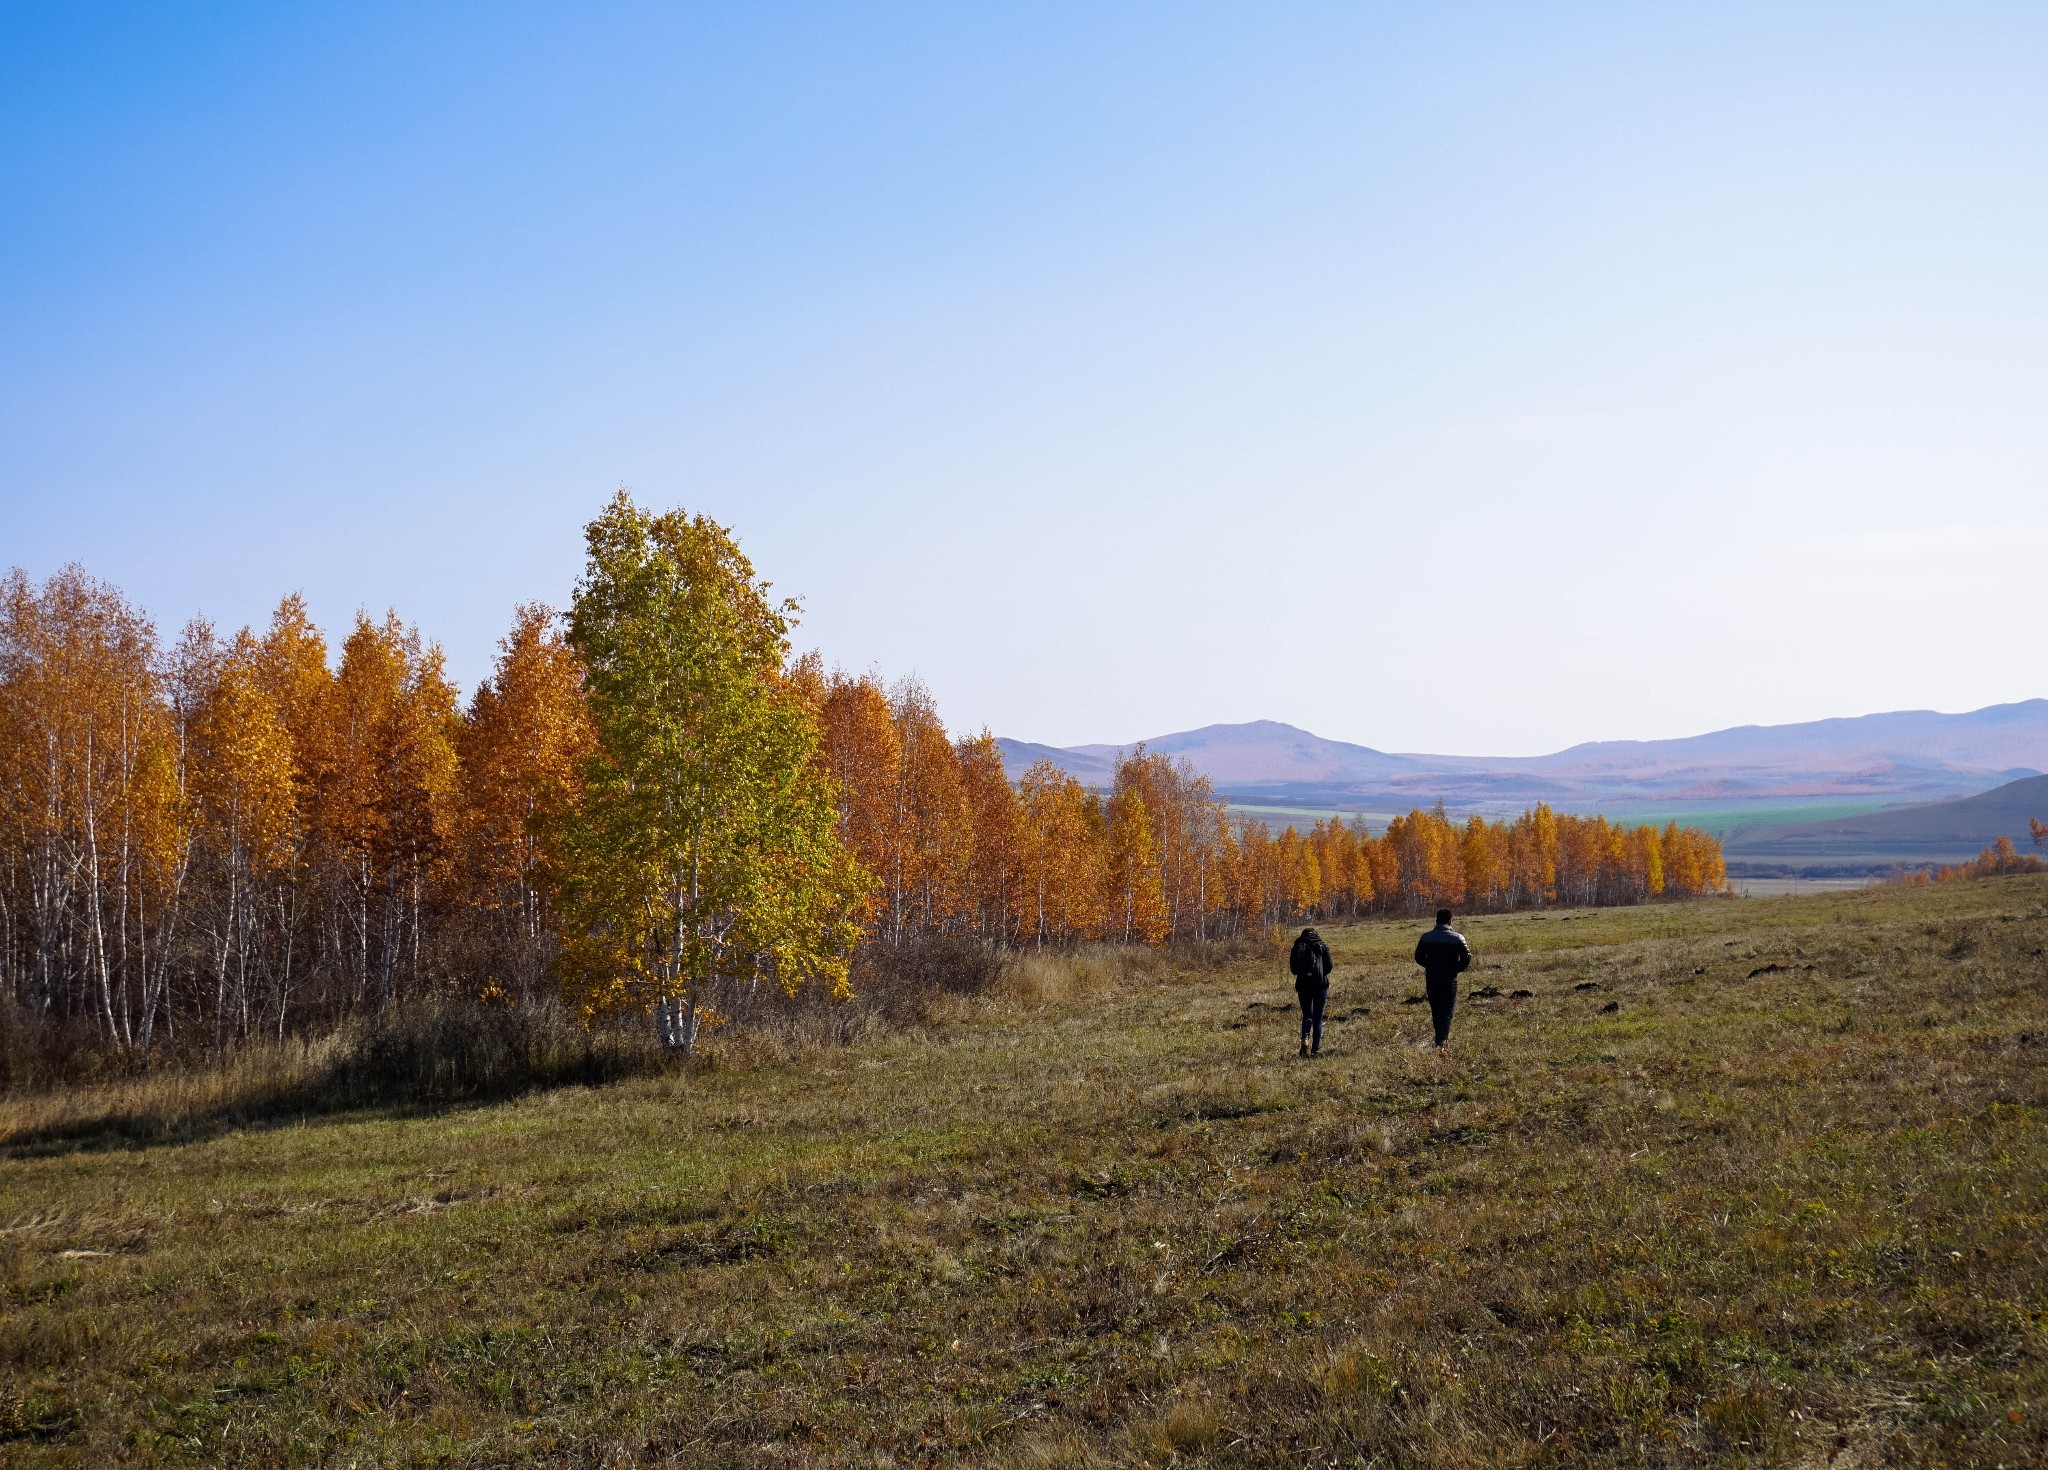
(522, 750)
(240, 837)
(249, 839)
(1995, 861)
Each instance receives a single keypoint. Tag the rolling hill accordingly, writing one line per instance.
(1264, 751)
(1910, 755)
(1929, 832)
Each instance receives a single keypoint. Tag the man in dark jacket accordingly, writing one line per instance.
(1444, 956)
(1310, 962)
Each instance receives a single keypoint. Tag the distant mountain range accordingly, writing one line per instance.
(1912, 755)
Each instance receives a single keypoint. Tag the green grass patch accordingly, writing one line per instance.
(1721, 821)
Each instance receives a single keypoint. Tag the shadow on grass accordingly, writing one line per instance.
(435, 1056)
(420, 1061)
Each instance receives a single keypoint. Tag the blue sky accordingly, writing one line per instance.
(1475, 378)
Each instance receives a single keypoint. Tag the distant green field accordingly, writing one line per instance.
(1719, 820)
(1727, 1183)
(1725, 819)
(1302, 817)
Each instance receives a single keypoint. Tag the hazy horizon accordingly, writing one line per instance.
(1481, 382)
(1482, 754)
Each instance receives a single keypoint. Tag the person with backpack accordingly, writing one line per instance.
(1310, 962)
(1444, 956)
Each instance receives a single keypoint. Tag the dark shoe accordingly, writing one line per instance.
(1304, 1048)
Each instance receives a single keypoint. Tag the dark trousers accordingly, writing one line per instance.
(1443, 999)
(1312, 995)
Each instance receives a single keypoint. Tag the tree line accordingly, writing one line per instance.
(222, 837)
(2001, 859)
(230, 837)
(957, 848)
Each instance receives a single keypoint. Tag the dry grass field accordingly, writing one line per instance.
(1740, 1182)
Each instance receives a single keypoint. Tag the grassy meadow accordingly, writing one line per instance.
(1739, 1182)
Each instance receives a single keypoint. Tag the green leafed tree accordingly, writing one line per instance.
(703, 851)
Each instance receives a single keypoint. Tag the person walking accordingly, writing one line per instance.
(1444, 956)
(1310, 962)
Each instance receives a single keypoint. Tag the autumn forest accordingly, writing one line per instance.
(215, 836)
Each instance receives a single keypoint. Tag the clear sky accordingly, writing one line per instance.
(1464, 378)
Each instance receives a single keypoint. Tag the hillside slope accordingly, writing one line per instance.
(1932, 832)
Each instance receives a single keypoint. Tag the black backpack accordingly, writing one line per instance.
(1306, 960)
